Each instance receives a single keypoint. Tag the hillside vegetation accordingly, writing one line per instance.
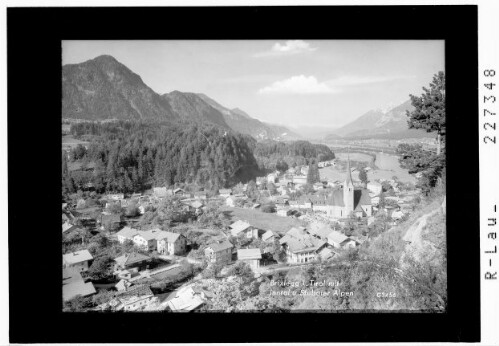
(131, 156)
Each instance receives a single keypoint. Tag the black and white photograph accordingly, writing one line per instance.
(250, 173)
(254, 175)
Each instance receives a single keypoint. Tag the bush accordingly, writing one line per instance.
(132, 210)
(268, 208)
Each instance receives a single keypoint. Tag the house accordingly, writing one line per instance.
(134, 303)
(269, 236)
(78, 260)
(110, 221)
(250, 256)
(132, 299)
(178, 192)
(162, 192)
(197, 205)
(225, 192)
(281, 201)
(374, 187)
(359, 240)
(122, 285)
(142, 209)
(271, 178)
(304, 202)
(131, 263)
(200, 195)
(230, 201)
(397, 214)
(170, 243)
(219, 252)
(300, 246)
(261, 180)
(327, 253)
(67, 227)
(318, 186)
(284, 212)
(116, 196)
(146, 240)
(186, 299)
(73, 284)
(300, 179)
(319, 230)
(244, 227)
(339, 240)
(126, 233)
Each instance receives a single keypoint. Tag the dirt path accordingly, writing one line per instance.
(414, 237)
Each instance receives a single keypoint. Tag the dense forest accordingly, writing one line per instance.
(130, 156)
(280, 155)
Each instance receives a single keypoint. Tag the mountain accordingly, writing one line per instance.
(191, 106)
(103, 88)
(241, 122)
(380, 123)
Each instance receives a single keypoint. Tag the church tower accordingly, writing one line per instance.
(348, 190)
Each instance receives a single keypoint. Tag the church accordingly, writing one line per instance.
(344, 201)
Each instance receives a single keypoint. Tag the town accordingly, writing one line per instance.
(180, 201)
(324, 220)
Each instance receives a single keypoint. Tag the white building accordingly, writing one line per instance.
(78, 260)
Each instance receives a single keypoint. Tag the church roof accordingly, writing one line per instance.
(361, 197)
(336, 198)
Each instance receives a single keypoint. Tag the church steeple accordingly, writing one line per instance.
(348, 190)
(349, 171)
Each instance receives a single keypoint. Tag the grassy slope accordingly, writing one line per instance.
(264, 221)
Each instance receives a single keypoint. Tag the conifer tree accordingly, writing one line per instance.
(429, 109)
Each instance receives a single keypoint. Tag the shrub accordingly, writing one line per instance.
(268, 208)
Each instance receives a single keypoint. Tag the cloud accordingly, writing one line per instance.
(288, 48)
(310, 85)
(297, 85)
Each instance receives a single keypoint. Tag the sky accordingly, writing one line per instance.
(296, 83)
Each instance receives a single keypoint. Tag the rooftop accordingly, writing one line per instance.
(73, 285)
(219, 246)
(128, 232)
(337, 237)
(77, 257)
(298, 240)
(131, 258)
(247, 254)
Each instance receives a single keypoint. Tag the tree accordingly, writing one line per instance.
(243, 271)
(363, 176)
(282, 166)
(429, 109)
(100, 268)
(252, 190)
(268, 208)
(313, 175)
(78, 304)
(114, 208)
(272, 189)
(132, 210)
(212, 271)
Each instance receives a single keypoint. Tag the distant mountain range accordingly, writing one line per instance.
(241, 122)
(103, 89)
(379, 123)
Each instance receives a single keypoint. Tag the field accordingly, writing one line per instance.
(264, 221)
(71, 142)
(354, 157)
(387, 167)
